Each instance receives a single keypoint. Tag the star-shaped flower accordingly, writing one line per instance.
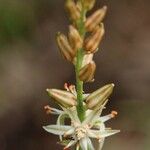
(80, 133)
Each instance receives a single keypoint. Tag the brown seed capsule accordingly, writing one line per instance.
(92, 42)
(79, 6)
(88, 4)
(72, 9)
(86, 73)
(63, 98)
(75, 38)
(93, 20)
(97, 98)
(66, 50)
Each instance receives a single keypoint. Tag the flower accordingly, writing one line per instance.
(80, 133)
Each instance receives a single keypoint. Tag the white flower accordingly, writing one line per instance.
(80, 133)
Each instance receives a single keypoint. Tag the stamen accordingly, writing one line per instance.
(66, 86)
(48, 109)
(72, 89)
(114, 113)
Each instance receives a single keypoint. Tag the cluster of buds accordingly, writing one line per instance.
(69, 46)
(85, 35)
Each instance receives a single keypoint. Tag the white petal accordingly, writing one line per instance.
(101, 134)
(71, 143)
(105, 118)
(84, 143)
(90, 145)
(107, 133)
(61, 121)
(72, 112)
(93, 115)
(69, 132)
(57, 129)
(93, 134)
(56, 111)
(101, 143)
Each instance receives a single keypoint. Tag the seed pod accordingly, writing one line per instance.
(66, 50)
(72, 9)
(88, 4)
(75, 38)
(63, 98)
(79, 5)
(95, 19)
(97, 98)
(91, 43)
(86, 73)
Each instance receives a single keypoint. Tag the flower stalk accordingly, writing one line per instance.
(83, 109)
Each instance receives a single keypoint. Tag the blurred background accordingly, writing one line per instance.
(30, 62)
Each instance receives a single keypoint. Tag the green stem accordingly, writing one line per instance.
(79, 84)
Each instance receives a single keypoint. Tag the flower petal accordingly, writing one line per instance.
(101, 134)
(101, 143)
(61, 121)
(71, 143)
(90, 145)
(84, 143)
(57, 129)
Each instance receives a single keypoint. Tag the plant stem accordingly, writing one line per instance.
(80, 54)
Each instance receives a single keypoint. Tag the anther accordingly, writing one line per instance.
(114, 113)
(48, 109)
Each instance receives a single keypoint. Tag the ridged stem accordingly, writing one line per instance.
(80, 54)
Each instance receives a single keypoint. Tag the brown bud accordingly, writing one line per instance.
(88, 4)
(79, 6)
(65, 48)
(86, 73)
(72, 9)
(97, 98)
(63, 98)
(75, 38)
(93, 20)
(92, 42)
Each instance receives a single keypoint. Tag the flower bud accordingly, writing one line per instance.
(66, 50)
(64, 98)
(73, 10)
(97, 98)
(92, 42)
(95, 19)
(79, 5)
(75, 38)
(86, 73)
(88, 4)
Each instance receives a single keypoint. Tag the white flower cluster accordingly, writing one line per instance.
(79, 133)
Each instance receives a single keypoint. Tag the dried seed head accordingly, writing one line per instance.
(86, 73)
(72, 9)
(93, 20)
(75, 38)
(79, 6)
(97, 98)
(88, 4)
(66, 50)
(63, 98)
(92, 42)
